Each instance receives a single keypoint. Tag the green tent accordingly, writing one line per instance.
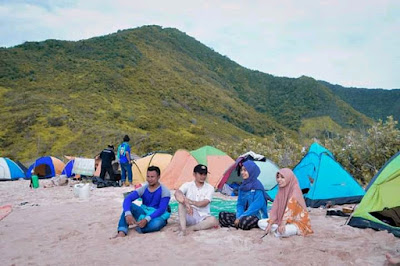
(202, 153)
(380, 207)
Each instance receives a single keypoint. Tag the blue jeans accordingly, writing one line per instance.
(154, 225)
(126, 168)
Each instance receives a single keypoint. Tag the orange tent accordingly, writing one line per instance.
(139, 167)
(46, 167)
(180, 170)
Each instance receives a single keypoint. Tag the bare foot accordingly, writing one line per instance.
(120, 234)
(393, 260)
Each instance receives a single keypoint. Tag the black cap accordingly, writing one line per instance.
(110, 146)
(200, 168)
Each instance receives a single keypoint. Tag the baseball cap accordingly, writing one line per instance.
(200, 168)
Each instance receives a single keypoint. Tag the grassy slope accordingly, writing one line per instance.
(59, 100)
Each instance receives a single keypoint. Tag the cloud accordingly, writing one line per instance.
(350, 43)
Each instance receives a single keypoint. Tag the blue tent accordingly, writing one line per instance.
(9, 170)
(68, 169)
(325, 179)
(46, 167)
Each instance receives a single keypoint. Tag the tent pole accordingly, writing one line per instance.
(351, 215)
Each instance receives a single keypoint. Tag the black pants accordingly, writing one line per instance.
(227, 219)
(109, 170)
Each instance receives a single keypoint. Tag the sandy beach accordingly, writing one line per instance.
(49, 226)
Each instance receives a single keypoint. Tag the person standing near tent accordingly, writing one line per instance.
(124, 158)
(194, 202)
(107, 156)
(153, 214)
(251, 204)
(289, 215)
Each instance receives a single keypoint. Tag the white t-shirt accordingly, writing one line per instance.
(192, 192)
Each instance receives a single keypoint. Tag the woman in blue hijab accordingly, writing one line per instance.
(251, 204)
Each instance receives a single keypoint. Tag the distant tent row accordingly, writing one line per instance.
(321, 178)
(44, 167)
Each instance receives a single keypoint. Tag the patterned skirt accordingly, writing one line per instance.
(227, 219)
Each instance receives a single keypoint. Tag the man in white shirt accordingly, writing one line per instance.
(194, 202)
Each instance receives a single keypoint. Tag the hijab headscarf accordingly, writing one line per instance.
(292, 189)
(251, 183)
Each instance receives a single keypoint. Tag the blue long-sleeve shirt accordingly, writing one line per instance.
(251, 203)
(158, 199)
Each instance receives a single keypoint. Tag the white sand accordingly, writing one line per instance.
(55, 228)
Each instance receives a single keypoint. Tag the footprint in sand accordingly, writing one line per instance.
(68, 235)
(16, 258)
(90, 224)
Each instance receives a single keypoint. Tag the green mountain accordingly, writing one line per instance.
(163, 88)
(375, 103)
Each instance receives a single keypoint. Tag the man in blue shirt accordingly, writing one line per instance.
(124, 157)
(153, 214)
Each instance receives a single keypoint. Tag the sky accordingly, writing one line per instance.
(354, 43)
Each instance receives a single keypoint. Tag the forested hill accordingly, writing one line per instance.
(163, 88)
(375, 103)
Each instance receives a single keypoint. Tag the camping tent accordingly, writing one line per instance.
(267, 176)
(9, 170)
(139, 166)
(22, 166)
(325, 179)
(46, 167)
(380, 207)
(68, 168)
(180, 170)
(181, 165)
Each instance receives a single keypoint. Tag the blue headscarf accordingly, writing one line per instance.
(251, 183)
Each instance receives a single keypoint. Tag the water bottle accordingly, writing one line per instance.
(35, 181)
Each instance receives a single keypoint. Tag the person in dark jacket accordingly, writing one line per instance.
(107, 156)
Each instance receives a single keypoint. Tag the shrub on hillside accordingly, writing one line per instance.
(364, 154)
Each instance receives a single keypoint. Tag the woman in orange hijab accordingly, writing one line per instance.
(289, 215)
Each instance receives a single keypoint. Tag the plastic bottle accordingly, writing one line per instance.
(35, 181)
(84, 191)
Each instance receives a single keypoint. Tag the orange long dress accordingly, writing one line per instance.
(297, 215)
